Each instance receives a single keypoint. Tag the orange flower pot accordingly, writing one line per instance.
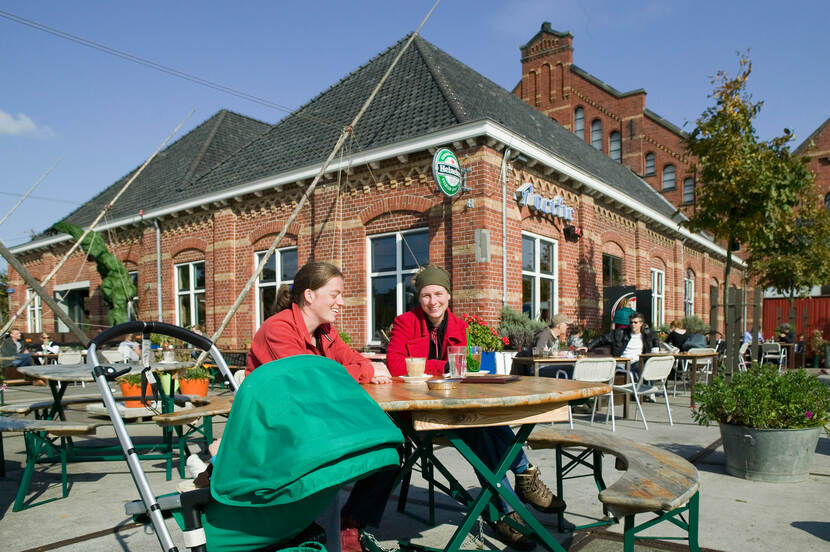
(194, 387)
(131, 390)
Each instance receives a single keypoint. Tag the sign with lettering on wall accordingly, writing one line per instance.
(549, 205)
(447, 172)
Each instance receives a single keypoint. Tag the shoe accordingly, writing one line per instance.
(194, 466)
(349, 535)
(505, 533)
(532, 490)
(203, 479)
(650, 398)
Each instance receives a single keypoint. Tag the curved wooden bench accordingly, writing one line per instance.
(39, 443)
(655, 480)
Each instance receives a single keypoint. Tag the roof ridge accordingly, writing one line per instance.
(442, 82)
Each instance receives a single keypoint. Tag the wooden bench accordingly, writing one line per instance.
(213, 406)
(655, 480)
(42, 409)
(41, 437)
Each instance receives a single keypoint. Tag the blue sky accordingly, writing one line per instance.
(104, 116)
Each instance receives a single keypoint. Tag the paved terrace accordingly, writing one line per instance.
(735, 514)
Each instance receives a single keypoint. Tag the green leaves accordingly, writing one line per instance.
(763, 398)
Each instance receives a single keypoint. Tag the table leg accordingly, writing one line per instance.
(692, 381)
(57, 397)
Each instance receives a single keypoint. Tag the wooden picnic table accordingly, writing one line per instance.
(525, 402)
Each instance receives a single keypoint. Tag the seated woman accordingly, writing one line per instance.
(677, 334)
(425, 332)
(303, 325)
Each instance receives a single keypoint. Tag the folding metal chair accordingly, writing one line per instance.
(596, 370)
(656, 369)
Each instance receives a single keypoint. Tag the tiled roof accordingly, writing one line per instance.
(175, 168)
(428, 91)
(804, 147)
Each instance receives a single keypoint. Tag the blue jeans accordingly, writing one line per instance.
(490, 445)
(22, 359)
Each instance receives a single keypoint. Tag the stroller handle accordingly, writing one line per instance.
(153, 327)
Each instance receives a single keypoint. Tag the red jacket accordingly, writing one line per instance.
(410, 338)
(285, 334)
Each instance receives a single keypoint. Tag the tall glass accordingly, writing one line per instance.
(457, 357)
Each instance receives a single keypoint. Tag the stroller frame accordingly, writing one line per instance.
(104, 373)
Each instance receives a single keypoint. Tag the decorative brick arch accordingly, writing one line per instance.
(272, 229)
(610, 246)
(659, 263)
(187, 244)
(397, 203)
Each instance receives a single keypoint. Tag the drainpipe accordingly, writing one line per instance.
(504, 227)
(158, 269)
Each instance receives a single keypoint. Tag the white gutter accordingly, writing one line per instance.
(463, 132)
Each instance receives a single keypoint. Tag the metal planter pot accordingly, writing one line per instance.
(774, 455)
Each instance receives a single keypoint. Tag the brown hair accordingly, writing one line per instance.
(677, 324)
(311, 276)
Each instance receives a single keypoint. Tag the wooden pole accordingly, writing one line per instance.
(343, 135)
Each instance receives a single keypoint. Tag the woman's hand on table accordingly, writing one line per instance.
(382, 374)
(381, 379)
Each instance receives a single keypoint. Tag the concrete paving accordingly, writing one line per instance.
(735, 514)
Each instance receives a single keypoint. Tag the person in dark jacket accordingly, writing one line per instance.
(677, 334)
(629, 342)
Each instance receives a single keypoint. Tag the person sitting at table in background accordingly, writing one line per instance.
(575, 340)
(677, 334)
(629, 342)
(15, 351)
(304, 325)
(748, 337)
(47, 347)
(785, 333)
(622, 315)
(554, 337)
(425, 332)
(129, 349)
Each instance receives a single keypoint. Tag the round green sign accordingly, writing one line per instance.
(447, 172)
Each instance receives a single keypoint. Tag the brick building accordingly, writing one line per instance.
(196, 222)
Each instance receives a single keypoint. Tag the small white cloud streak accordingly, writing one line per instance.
(21, 124)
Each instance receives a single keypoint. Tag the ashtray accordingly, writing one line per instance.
(442, 384)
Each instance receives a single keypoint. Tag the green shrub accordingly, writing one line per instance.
(695, 324)
(762, 398)
(131, 379)
(518, 328)
(196, 373)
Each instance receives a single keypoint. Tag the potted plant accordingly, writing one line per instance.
(816, 343)
(195, 381)
(769, 422)
(131, 387)
(480, 334)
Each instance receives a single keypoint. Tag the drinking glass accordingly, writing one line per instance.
(458, 361)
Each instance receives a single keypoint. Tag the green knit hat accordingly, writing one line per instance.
(432, 275)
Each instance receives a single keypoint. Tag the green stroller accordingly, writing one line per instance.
(300, 428)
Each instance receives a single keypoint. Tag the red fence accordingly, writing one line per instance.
(817, 309)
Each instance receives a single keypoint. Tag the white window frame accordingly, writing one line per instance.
(83, 284)
(689, 294)
(34, 313)
(278, 254)
(579, 116)
(400, 274)
(538, 276)
(658, 297)
(615, 139)
(190, 293)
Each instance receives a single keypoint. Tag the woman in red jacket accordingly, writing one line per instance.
(425, 332)
(303, 325)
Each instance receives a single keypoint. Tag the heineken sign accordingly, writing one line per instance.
(447, 172)
(549, 205)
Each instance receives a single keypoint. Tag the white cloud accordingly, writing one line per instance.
(21, 124)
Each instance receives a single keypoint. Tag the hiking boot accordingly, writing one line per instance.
(505, 533)
(532, 490)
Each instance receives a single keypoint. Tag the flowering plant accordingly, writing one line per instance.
(764, 399)
(481, 334)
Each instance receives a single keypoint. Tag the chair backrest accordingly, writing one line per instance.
(743, 349)
(657, 368)
(70, 357)
(771, 348)
(594, 369)
(112, 355)
(701, 351)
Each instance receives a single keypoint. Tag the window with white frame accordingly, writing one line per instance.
(393, 260)
(190, 294)
(688, 190)
(579, 122)
(132, 303)
(280, 269)
(668, 177)
(73, 299)
(34, 313)
(540, 292)
(615, 147)
(689, 293)
(649, 164)
(658, 297)
(596, 134)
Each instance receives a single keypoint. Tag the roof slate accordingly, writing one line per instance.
(174, 168)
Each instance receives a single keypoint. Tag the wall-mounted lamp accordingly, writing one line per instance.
(572, 233)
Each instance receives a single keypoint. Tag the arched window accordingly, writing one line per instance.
(579, 122)
(596, 134)
(649, 164)
(614, 146)
(688, 190)
(689, 293)
(668, 177)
